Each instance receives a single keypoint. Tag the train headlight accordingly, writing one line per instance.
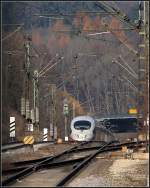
(81, 136)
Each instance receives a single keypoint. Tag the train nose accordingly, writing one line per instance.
(81, 136)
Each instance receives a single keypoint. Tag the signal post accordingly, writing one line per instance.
(66, 112)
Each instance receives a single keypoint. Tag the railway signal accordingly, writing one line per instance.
(36, 98)
(25, 100)
(142, 27)
(132, 111)
(38, 74)
(143, 75)
(65, 109)
(66, 112)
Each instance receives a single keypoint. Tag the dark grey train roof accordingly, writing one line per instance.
(115, 117)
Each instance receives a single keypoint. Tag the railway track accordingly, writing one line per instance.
(36, 166)
(14, 146)
(104, 148)
(62, 159)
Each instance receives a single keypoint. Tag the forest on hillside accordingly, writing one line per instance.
(97, 71)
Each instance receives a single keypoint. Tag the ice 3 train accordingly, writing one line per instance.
(86, 128)
(82, 128)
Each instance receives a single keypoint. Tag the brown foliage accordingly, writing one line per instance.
(36, 37)
(97, 22)
(87, 23)
(59, 25)
(51, 41)
(114, 25)
(84, 21)
(63, 41)
(77, 21)
(78, 108)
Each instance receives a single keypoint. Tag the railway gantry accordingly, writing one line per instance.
(142, 27)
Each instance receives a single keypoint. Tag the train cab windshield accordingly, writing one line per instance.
(82, 125)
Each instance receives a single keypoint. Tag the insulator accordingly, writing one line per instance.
(23, 106)
(32, 116)
(27, 109)
(37, 115)
(55, 132)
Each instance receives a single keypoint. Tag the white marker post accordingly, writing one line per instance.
(45, 134)
(12, 128)
(51, 131)
(55, 133)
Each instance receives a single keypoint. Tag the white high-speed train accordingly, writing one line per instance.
(86, 128)
(82, 128)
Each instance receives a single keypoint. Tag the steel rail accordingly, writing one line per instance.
(73, 150)
(43, 158)
(29, 170)
(86, 161)
(107, 148)
(66, 162)
(23, 173)
(80, 166)
(62, 163)
(11, 147)
(37, 166)
(10, 143)
(13, 170)
(98, 147)
(29, 161)
(20, 142)
(49, 165)
(120, 147)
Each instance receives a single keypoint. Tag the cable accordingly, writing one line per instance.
(92, 30)
(115, 61)
(41, 71)
(121, 16)
(40, 74)
(128, 66)
(133, 86)
(99, 33)
(11, 34)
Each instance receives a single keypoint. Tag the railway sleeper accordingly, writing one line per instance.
(104, 148)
